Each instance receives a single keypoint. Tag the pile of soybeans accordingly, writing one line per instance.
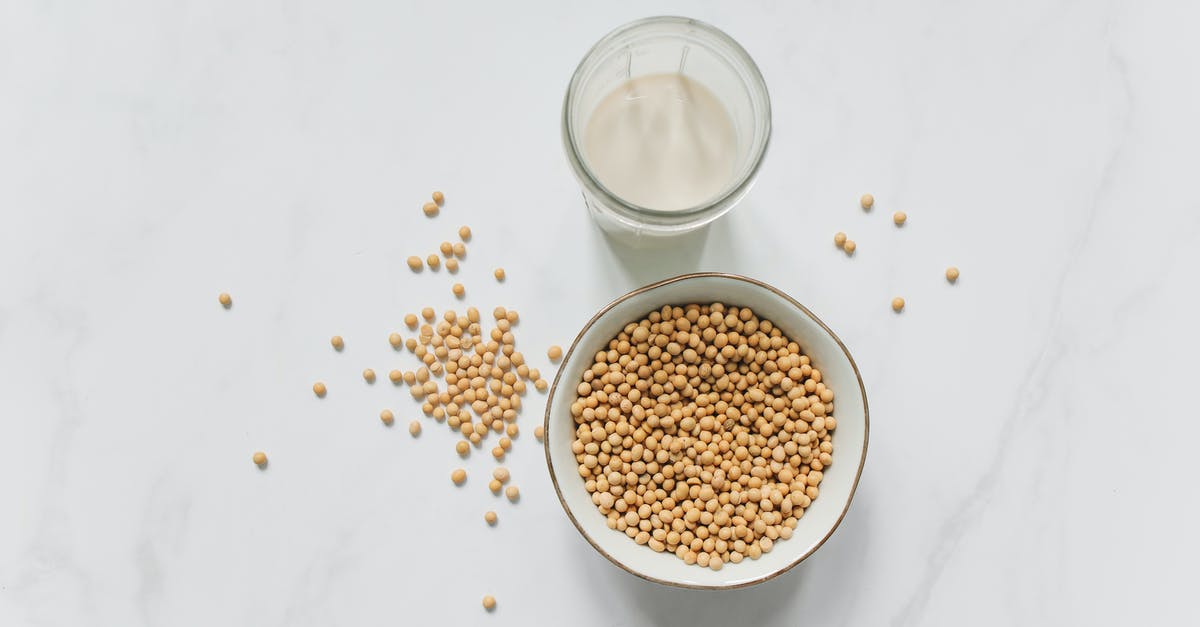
(703, 430)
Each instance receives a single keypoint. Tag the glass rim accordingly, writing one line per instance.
(630, 210)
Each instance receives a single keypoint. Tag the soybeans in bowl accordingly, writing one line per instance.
(749, 491)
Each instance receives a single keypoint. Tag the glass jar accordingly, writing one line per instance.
(659, 45)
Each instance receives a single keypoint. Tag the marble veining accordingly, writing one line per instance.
(1032, 426)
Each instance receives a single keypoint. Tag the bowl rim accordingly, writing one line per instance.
(682, 277)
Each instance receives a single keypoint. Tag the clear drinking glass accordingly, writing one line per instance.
(659, 45)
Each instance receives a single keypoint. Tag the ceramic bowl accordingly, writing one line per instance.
(816, 340)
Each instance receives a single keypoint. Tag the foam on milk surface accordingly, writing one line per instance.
(661, 141)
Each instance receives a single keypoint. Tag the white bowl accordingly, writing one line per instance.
(818, 342)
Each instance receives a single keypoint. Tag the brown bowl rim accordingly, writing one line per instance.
(675, 279)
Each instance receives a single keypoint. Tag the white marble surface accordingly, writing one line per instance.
(1032, 454)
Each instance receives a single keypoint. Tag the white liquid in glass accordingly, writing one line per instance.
(662, 142)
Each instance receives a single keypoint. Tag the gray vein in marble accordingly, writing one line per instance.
(48, 567)
(310, 594)
(164, 528)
